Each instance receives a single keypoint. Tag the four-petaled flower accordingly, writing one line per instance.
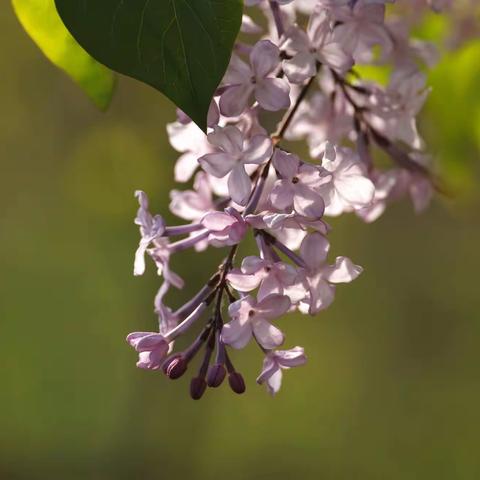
(257, 79)
(317, 44)
(252, 317)
(236, 152)
(297, 186)
(319, 277)
(277, 360)
(345, 186)
(271, 277)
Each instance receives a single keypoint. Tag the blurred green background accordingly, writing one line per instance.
(392, 387)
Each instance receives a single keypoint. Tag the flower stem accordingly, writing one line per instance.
(277, 17)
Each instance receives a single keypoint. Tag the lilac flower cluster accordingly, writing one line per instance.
(246, 182)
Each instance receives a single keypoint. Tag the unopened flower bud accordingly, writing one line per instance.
(197, 388)
(237, 384)
(175, 367)
(216, 375)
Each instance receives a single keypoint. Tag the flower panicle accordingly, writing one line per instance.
(247, 183)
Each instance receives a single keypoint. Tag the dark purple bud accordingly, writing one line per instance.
(168, 360)
(216, 375)
(236, 382)
(175, 366)
(197, 387)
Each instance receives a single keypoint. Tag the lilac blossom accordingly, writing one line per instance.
(189, 140)
(322, 119)
(396, 111)
(193, 204)
(361, 28)
(272, 277)
(394, 184)
(234, 153)
(317, 44)
(225, 228)
(252, 318)
(297, 186)
(277, 360)
(345, 185)
(152, 349)
(257, 79)
(319, 277)
(151, 228)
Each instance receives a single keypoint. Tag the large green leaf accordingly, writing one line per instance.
(180, 47)
(41, 21)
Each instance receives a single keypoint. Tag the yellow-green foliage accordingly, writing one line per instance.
(41, 21)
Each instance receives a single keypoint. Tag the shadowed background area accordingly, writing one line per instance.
(391, 389)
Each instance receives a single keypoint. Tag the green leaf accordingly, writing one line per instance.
(180, 47)
(41, 21)
(453, 114)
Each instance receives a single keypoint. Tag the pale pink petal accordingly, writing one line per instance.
(291, 358)
(213, 116)
(267, 335)
(229, 139)
(329, 151)
(344, 271)
(265, 57)
(270, 286)
(346, 35)
(183, 137)
(236, 334)
(357, 190)
(241, 308)
(259, 149)
(235, 99)
(281, 196)
(286, 273)
(296, 40)
(287, 164)
(274, 383)
(309, 175)
(421, 192)
(273, 94)
(296, 292)
(322, 294)
(237, 231)
(249, 26)
(307, 202)
(185, 167)
(238, 72)
(252, 264)
(217, 221)
(243, 282)
(217, 164)
(300, 67)
(239, 185)
(151, 360)
(139, 264)
(334, 203)
(319, 27)
(273, 306)
(334, 56)
(134, 337)
(145, 341)
(314, 250)
(270, 366)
